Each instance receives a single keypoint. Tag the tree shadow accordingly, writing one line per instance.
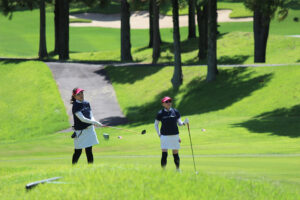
(236, 59)
(131, 74)
(281, 122)
(15, 60)
(200, 96)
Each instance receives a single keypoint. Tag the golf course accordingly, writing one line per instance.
(244, 126)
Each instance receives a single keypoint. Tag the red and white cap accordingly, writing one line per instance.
(163, 100)
(77, 91)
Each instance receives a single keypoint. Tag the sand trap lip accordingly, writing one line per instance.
(140, 20)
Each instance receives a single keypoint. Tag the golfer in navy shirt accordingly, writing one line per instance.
(84, 122)
(169, 133)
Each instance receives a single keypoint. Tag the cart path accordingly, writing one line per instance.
(140, 20)
(98, 90)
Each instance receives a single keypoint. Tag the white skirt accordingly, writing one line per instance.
(169, 141)
(85, 138)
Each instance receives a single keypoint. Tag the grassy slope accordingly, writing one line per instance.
(30, 104)
(249, 114)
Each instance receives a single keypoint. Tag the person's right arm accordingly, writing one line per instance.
(82, 118)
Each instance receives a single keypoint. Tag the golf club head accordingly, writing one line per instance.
(143, 132)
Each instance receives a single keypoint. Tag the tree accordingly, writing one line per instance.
(192, 23)
(150, 8)
(212, 70)
(156, 32)
(177, 75)
(43, 46)
(9, 6)
(125, 32)
(264, 11)
(56, 26)
(63, 26)
(202, 19)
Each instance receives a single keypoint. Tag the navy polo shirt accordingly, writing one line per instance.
(169, 121)
(85, 108)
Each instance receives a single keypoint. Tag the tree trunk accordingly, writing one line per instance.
(156, 33)
(43, 47)
(192, 25)
(151, 23)
(202, 30)
(63, 30)
(125, 32)
(212, 70)
(261, 26)
(177, 76)
(56, 26)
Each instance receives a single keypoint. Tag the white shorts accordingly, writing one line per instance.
(169, 141)
(85, 138)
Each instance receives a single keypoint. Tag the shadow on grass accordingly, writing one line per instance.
(200, 97)
(130, 74)
(281, 122)
(15, 60)
(236, 59)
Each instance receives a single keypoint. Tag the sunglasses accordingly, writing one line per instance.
(168, 101)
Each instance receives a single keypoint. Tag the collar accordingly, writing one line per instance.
(168, 110)
(78, 101)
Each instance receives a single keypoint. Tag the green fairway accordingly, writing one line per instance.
(244, 129)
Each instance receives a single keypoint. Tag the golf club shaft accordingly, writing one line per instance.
(121, 129)
(188, 126)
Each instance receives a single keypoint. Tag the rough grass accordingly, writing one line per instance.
(30, 104)
(102, 181)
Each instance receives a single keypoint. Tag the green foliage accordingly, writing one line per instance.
(269, 7)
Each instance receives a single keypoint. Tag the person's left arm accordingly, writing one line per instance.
(179, 121)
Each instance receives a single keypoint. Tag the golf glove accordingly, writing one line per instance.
(186, 121)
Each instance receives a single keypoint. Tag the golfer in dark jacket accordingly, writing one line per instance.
(85, 134)
(169, 133)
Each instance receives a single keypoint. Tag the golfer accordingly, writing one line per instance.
(168, 133)
(84, 135)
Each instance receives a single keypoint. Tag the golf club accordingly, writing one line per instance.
(188, 126)
(143, 131)
(33, 184)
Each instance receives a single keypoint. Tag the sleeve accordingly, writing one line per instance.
(156, 122)
(76, 107)
(82, 118)
(177, 114)
(158, 116)
(93, 119)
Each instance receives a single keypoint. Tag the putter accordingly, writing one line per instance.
(188, 126)
(33, 184)
(143, 131)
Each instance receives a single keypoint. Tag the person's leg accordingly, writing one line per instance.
(89, 155)
(164, 157)
(76, 155)
(176, 158)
